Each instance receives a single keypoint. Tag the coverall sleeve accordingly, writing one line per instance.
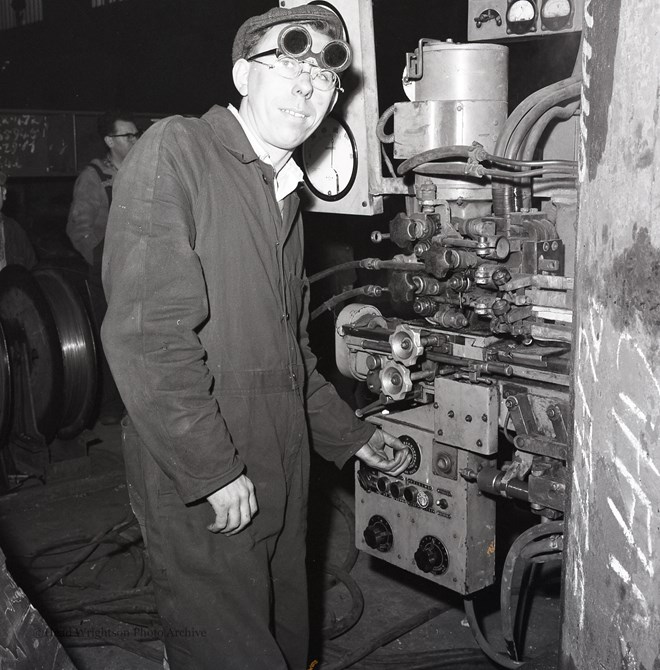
(336, 433)
(157, 300)
(88, 209)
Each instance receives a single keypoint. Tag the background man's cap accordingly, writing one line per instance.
(281, 15)
(3, 178)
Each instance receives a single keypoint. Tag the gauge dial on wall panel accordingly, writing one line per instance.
(556, 14)
(329, 160)
(520, 16)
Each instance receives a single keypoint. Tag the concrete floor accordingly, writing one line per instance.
(40, 515)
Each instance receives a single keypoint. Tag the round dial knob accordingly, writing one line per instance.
(410, 495)
(383, 484)
(416, 454)
(395, 489)
(431, 556)
(378, 534)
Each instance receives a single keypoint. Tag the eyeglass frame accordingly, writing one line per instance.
(312, 67)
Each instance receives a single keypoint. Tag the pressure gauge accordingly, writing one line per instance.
(556, 14)
(520, 16)
(329, 160)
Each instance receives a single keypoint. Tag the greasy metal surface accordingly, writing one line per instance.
(612, 601)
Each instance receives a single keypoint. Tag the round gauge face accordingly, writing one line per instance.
(521, 17)
(329, 160)
(556, 9)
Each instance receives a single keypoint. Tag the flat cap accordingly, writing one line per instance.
(281, 15)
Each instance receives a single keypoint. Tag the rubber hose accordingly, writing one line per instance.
(346, 623)
(495, 656)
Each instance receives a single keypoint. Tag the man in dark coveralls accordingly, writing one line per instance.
(206, 334)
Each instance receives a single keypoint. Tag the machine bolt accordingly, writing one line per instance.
(435, 405)
(551, 412)
(450, 413)
(439, 431)
(484, 418)
(468, 418)
(479, 443)
(511, 402)
(546, 246)
(554, 246)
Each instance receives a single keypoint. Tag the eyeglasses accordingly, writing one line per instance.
(132, 136)
(290, 68)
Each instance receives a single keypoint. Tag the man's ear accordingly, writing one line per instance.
(240, 73)
(109, 141)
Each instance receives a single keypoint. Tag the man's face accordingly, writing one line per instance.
(122, 139)
(284, 112)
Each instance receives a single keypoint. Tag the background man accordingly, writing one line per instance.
(88, 218)
(206, 333)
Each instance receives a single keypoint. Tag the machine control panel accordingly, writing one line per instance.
(510, 19)
(428, 520)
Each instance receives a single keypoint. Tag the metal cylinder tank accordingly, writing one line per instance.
(458, 94)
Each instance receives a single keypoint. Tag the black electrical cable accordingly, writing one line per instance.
(525, 538)
(348, 265)
(347, 622)
(512, 162)
(437, 659)
(88, 549)
(495, 656)
(393, 633)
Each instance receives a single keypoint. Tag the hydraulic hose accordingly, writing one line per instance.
(345, 623)
(453, 151)
(385, 138)
(367, 264)
(520, 544)
(369, 290)
(495, 656)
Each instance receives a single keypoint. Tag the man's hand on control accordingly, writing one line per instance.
(373, 453)
(234, 505)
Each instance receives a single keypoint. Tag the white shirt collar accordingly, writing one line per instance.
(289, 175)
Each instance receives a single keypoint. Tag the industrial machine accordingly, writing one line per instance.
(469, 361)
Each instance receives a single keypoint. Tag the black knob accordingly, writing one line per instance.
(410, 495)
(378, 534)
(383, 484)
(431, 556)
(395, 489)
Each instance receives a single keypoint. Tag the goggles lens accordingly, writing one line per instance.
(295, 41)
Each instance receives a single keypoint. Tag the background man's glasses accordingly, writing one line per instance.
(290, 68)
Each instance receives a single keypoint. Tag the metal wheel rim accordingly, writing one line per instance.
(78, 351)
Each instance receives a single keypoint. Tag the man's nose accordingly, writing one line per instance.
(303, 83)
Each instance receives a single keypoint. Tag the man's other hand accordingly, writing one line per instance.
(234, 505)
(373, 453)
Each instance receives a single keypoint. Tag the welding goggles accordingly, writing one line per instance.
(296, 42)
